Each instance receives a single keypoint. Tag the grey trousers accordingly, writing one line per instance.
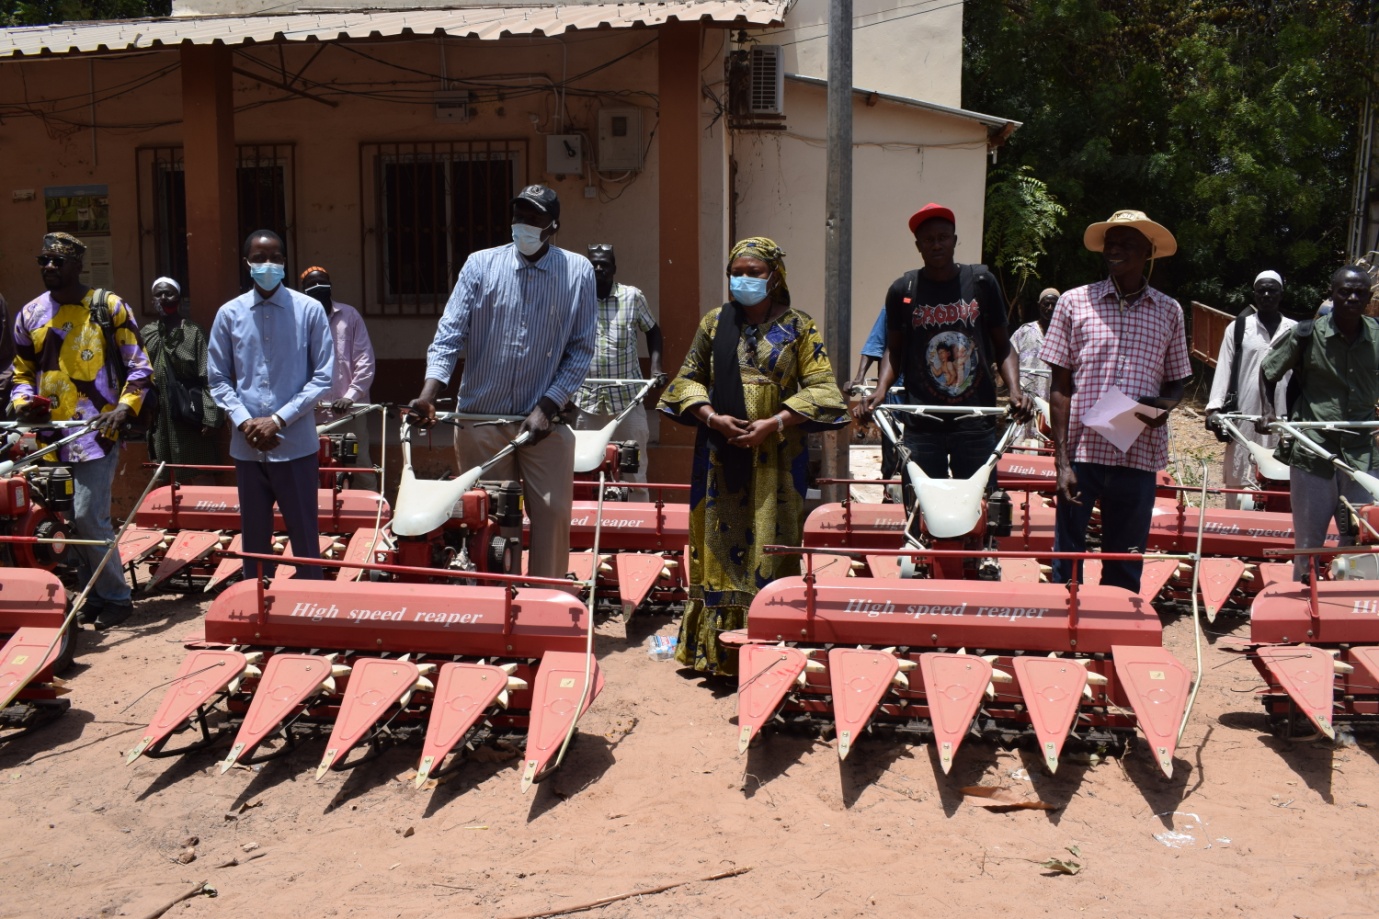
(546, 470)
(1315, 499)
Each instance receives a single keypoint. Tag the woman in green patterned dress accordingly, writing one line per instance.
(755, 381)
(176, 347)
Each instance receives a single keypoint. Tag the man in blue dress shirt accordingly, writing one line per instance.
(269, 359)
(524, 317)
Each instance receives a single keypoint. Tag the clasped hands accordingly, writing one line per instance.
(740, 433)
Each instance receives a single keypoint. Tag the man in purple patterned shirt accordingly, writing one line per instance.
(75, 359)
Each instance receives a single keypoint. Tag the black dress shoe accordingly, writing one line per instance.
(113, 613)
(90, 610)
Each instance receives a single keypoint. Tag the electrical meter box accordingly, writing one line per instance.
(620, 140)
(564, 154)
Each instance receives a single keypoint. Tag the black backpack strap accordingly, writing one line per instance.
(1233, 393)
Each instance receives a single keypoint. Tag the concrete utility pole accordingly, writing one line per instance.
(838, 229)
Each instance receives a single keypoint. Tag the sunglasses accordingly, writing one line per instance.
(57, 261)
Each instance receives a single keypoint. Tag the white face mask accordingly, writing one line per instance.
(527, 238)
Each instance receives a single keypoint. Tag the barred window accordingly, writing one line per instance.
(434, 204)
(264, 178)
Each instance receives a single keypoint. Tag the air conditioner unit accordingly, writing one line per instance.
(766, 87)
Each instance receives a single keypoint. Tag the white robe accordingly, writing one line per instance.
(1239, 471)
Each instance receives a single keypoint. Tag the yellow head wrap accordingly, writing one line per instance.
(759, 247)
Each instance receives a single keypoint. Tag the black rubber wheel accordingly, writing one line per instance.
(67, 649)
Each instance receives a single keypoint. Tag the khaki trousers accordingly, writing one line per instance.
(546, 471)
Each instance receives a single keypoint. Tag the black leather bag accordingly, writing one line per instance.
(184, 402)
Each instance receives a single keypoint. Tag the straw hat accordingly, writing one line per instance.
(1163, 242)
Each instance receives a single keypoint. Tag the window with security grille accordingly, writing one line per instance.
(263, 176)
(434, 204)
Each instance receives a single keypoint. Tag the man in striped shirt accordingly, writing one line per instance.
(622, 312)
(523, 317)
(1117, 333)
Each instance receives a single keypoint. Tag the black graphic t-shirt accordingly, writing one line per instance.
(947, 352)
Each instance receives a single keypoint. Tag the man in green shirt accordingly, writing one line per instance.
(1335, 359)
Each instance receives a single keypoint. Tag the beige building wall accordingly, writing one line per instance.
(138, 104)
(903, 157)
(909, 48)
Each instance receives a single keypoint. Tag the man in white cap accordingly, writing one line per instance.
(1117, 334)
(1237, 386)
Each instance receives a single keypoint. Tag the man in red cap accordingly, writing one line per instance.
(946, 327)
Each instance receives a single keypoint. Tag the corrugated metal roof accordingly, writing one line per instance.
(492, 22)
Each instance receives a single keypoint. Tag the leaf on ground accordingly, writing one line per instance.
(995, 797)
(487, 754)
(1061, 866)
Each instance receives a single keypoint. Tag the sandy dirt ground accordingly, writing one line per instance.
(654, 794)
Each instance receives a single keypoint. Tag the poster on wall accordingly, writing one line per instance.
(84, 211)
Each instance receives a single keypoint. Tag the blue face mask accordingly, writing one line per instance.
(527, 238)
(267, 275)
(748, 291)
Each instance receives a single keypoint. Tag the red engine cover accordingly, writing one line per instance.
(216, 507)
(473, 510)
(14, 496)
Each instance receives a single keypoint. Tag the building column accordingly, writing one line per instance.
(209, 160)
(678, 66)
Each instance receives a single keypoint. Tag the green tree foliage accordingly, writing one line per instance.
(42, 12)
(1021, 218)
(1232, 122)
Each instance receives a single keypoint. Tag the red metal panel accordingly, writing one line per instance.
(559, 687)
(1052, 690)
(216, 507)
(1020, 570)
(463, 693)
(202, 675)
(951, 614)
(287, 572)
(137, 543)
(228, 566)
(374, 686)
(399, 618)
(31, 597)
(856, 525)
(360, 550)
(884, 566)
(953, 687)
(634, 525)
(1216, 578)
(1157, 687)
(1271, 573)
(859, 679)
(637, 572)
(581, 565)
(1347, 611)
(1308, 675)
(288, 680)
(765, 674)
(1366, 661)
(187, 547)
(23, 658)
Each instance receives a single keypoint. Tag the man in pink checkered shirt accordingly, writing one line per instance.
(1119, 333)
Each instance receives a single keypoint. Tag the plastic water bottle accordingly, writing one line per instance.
(661, 647)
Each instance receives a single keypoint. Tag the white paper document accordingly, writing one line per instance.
(1113, 417)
